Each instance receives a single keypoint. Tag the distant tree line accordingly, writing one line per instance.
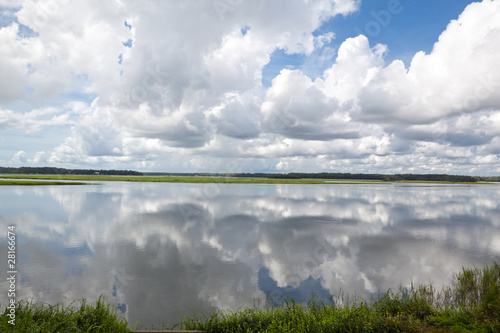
(322, 175)
(489, 179)
(349, 176)
(365, 176)
(61, 171)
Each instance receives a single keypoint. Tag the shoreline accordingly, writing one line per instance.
(26, 179)
(470, 302)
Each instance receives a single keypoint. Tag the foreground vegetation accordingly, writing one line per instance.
(471, 303)
(77, 317)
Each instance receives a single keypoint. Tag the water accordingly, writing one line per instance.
(160, 251)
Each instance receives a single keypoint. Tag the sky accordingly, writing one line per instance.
(360, 86)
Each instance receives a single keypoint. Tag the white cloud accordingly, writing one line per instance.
(237, 64)
(15, 55)
(237, 119)
(36, 119)
(187, 85)
(296, 108)
(11, 3)
(19, 157)
(460, 75)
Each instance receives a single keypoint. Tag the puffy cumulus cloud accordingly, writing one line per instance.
(300, 108)
(295, 106)
(355, 66)
(444, 106)
(456, 131)
(16, 54)
(237, 64)
(179, 86)
(209, 76)
(460, 75)
(237, 119)
(162, 76)
(19, 157)
(94, 136)
(68, 42)
(289, 25)
(37, 119)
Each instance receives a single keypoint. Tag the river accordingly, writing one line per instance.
(159, 251)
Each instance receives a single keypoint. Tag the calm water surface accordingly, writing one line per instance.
(160, 251)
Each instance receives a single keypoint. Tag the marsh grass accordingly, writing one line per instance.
(229, 179)
(470, 303)
(190, 179)
(76, 317)
(217, 179)
(36, 183)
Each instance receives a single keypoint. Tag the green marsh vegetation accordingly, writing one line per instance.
(53, 173)
(76, 317)
(34, 182)
(187, 179)
(293, 175)
(470, 303)
(221, 179)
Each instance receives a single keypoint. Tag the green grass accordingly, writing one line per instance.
(209, 179)
(470, 303)
(77, 317)
(188, 179)
(34, 182)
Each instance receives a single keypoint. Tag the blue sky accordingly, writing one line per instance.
(275, 86)
(410, 27)
(415, 25)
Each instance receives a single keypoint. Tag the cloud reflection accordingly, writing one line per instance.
(161, 251)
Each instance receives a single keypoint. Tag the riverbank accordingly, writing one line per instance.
(35, 182)
(187, 179)
(470, 303)
(210, 180)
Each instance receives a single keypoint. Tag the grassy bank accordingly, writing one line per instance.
(188, 179)
(78, 317)
(217, 180)
(470, 303)
(34, 182)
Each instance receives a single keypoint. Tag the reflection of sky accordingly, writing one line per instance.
(161, 251)
(303, 293)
